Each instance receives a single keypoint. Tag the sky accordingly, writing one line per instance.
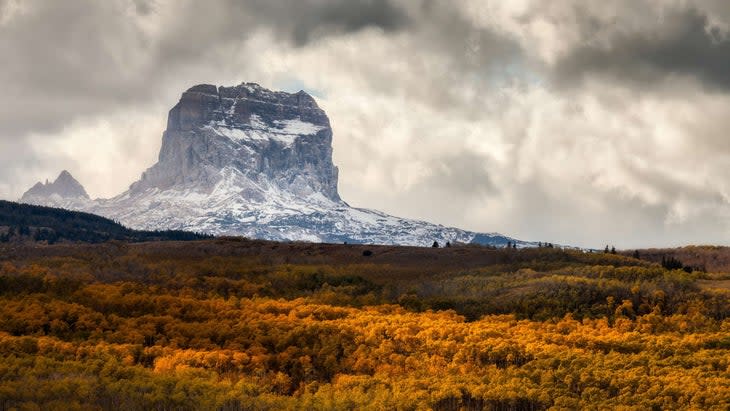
(580, 122)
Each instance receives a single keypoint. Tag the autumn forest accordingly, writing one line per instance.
(232, 324)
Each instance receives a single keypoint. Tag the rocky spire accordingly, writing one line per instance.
(64, 187)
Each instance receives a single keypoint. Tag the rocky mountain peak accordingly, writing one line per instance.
(66, 179)
(206, 103)
(245, 160)
(268, 139)
(64, 187)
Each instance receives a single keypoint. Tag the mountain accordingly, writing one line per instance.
(65, 190)
(26, 222)
(249, 161)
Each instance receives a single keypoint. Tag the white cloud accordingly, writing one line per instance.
(463, 124)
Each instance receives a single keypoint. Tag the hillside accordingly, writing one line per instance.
(712, 259)
(24, 222)
(234, 324)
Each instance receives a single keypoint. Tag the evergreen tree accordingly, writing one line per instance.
(672, 263)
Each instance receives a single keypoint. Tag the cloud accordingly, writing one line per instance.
(79, 58)
(75, 62)
(574, 121)
(678, 42)
(144, 7)
(325, 17)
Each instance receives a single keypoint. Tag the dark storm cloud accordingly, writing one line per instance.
(318, 17)
(62, 59)
(475, 49)
(476, 56)
(144, 7)
(79, 57)
(677, 42)
(417, 91)
(79, 60)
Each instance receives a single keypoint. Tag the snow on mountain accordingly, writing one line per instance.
(64, 192)
(248, 161)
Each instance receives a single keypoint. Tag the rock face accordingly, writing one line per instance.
(274, 139)
(248, 161)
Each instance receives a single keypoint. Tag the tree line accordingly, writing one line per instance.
(30, 223)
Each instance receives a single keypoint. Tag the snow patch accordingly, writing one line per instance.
(285, 132)
(256, 122)
(297, 126)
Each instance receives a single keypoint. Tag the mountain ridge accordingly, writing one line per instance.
(245, 160)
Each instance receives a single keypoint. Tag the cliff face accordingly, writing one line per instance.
(275, 139)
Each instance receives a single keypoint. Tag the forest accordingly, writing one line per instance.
(233, 324)
(23, 223)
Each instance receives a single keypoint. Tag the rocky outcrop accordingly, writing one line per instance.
(273, 138)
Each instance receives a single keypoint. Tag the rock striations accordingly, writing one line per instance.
(248, 161)
(273, 140)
